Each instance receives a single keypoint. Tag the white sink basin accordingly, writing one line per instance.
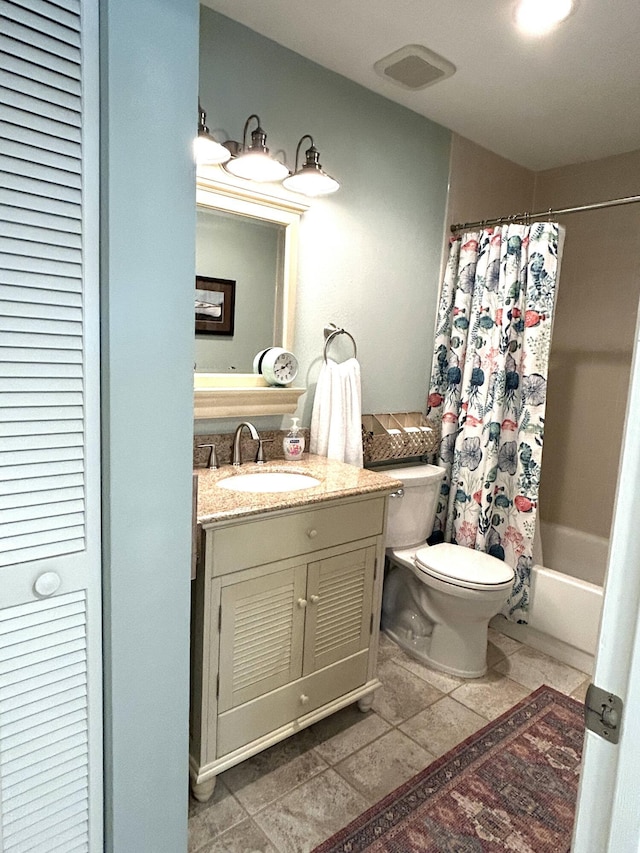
(269, 481)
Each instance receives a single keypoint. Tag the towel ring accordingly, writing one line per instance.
(330, 332)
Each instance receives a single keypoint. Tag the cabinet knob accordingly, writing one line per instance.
(304, 699)
(302, 602)
(46, 584)
(312, 533)
(314, 599)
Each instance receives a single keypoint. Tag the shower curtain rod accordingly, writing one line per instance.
(544, 214)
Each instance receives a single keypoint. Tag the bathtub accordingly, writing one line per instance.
(566, 596)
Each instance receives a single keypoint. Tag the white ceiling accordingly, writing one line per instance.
(542, 102)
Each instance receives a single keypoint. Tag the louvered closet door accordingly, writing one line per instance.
(50, 673)
(339, 592)
(261, 632)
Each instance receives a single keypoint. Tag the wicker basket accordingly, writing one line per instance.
(400, 435)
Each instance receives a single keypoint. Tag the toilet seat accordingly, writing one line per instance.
(463, 567)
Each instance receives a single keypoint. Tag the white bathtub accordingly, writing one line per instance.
(566, 597)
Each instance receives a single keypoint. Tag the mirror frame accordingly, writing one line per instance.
(222, 395)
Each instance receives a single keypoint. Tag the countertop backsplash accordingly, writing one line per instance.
(224, 441)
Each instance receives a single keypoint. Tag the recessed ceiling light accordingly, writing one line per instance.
(537, 17)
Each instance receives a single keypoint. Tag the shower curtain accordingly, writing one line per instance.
(488, 390)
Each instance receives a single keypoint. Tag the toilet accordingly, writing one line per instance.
(437, 599)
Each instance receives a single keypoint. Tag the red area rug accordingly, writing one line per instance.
(511, 786)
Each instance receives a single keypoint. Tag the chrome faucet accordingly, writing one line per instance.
(236, 457)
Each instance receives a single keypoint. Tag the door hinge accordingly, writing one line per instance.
(219, 619)
(218, 686)
(375, 569)
(603, 713)
(371, 624)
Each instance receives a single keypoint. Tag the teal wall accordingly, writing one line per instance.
(148, 114)
(370, 254)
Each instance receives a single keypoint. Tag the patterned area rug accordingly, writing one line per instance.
(511, 786)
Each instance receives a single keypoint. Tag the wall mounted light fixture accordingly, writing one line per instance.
(310, 179)
(253, 162)
(206, 149)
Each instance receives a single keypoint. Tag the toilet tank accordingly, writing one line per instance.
(410, 517)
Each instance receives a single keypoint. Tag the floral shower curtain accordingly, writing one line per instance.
(488, 389)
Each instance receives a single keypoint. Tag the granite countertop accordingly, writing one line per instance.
(337, 480)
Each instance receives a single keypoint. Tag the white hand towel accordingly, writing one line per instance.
(336, 430)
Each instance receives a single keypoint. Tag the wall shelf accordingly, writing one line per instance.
(220, 395)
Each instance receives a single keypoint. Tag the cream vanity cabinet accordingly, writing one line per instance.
(285, 615)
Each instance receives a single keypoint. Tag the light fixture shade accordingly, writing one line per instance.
(537, 17)
(310, 180)
(256, 166)
(205, 148)
(208, 151)
(254, 163)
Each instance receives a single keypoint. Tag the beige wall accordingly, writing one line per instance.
(483, 185)
(595, 316)
(592, 340)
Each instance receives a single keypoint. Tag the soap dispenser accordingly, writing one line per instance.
(293, 442)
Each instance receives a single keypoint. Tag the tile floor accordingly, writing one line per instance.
(291, 797)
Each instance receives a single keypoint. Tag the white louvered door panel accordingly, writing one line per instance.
(339, 592)
(50, 632)
(44, 731)
(261, 634)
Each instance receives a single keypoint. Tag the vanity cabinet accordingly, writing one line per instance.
(285, 615)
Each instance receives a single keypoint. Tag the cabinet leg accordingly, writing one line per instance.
(366, 702)
(202, 791)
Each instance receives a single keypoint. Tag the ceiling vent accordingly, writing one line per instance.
(414, 67)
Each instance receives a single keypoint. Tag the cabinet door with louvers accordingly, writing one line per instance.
(340, 591)
(261, 635)
(50, 676)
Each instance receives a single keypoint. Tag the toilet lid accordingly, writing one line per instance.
(463, 566)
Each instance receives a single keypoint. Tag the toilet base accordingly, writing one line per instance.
(447, 631)
(419, 647)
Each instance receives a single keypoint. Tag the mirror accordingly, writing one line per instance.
(247, 253)
(246, 234)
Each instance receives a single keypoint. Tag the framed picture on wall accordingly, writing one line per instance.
(215, 305)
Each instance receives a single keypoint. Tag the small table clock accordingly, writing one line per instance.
(277, 365)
